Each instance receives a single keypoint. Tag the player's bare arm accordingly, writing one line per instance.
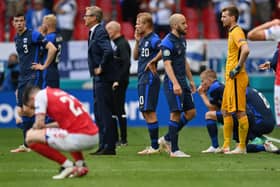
(257, 33)
(51, 54)
(39, 121)
(243, 54)
(190, 78)
(202, 92)
(169, 70)
(52, 125)
(137, 38)
(152, 64)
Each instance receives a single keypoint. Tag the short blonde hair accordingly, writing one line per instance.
(51, 19)
(146, 18)
(208, 73)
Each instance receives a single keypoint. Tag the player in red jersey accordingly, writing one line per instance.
(72, 131)
(270, 31)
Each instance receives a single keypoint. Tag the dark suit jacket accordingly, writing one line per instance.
(122, 54)
(100, 53)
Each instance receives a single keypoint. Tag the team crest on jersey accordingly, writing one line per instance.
(25, 40)
(146, 43)
(166, 52)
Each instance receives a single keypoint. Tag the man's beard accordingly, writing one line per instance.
(181, 32)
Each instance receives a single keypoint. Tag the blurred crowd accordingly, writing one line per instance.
(203, 16)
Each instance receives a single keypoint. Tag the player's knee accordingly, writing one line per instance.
(209, 115)
(150, 117)
(190, 114)
(240, 114)
(29, 136)
(175, 116)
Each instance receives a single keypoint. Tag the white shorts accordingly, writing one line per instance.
(277, 103)
(61, 139)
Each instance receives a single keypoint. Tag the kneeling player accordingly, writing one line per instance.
(75, 129)
(260, 117)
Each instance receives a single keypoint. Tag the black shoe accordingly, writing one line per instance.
(106, 152)
(96, 152)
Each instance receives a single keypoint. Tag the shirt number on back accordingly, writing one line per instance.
(58, 54)
(76, 110)
(266, 103)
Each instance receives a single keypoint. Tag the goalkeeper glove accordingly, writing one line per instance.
(235, 71)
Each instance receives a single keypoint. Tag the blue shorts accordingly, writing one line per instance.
(264, 126)
(148, 91)
(180, 103)
(21, 87)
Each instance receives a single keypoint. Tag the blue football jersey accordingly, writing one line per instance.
(258, 105)
(215, 93)
(174, 49)
(51, 73)
(28, 46)
(149, 46)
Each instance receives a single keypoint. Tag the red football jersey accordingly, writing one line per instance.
(66, 110)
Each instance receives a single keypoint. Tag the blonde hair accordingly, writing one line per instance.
(51, 20)
(146, 18)
(208, 73)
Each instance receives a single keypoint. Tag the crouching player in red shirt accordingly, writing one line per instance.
(72, 131)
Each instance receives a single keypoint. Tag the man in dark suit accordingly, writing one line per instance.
(103, 71)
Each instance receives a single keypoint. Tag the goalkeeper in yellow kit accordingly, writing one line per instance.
(236, 81)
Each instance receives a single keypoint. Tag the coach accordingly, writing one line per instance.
(103, 71)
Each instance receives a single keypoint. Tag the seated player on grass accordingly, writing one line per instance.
(261, 120)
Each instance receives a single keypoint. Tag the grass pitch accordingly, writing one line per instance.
(129, 169)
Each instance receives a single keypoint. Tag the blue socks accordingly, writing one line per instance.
(253, 148)
(173, 135)
(153, 131)
(213, 132)
(183, 121)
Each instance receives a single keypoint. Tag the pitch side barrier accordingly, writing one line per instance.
(134, 116)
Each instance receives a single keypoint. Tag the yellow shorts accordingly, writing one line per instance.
(234, 97)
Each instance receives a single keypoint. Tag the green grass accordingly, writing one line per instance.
(129, 169)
